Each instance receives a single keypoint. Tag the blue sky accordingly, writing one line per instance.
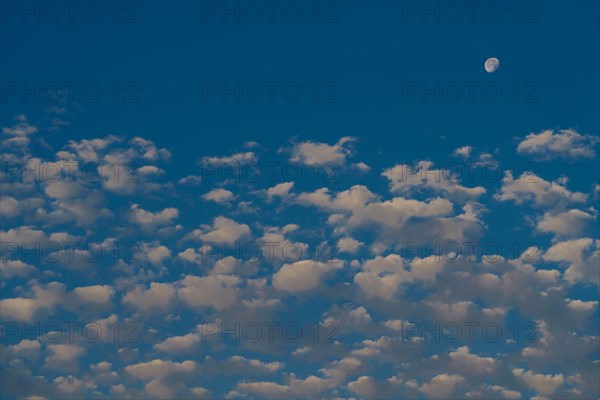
(390, 187)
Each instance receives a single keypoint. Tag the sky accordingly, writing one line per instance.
(299, 199)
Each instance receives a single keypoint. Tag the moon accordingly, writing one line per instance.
(492, 64)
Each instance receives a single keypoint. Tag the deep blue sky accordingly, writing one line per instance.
(373, 65)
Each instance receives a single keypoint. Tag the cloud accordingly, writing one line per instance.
(219, 291)
(157, 298)
(149, 219)
(532, 189)
(405, 179)
(464, 152)
(301, 275)
(569, 223)
(265, 389)
(472, 363)
(543, 384)
(383, 277)
(281, 189)
(237, 158)
(45, 297)
(348, 245)
(219, 196)
(565, 143)
(163, 377)
(442, 385)
(178, 344)
(96, 294)
(15, 268)
(582, 256)
(21, 128)
(311, 153)
(64, 357)
(223, 230)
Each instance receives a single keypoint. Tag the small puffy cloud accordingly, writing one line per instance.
(9, 207)
(15, 268)
(219, 291)
(543, 384)
(24, 309)
(369, 388)
(382, 277)
(223, 230)
(156, 298)
(71, 385)
(164, 377)
(178, 344)
(150, 170)
(311, 153)
(97, 294)
(569, 223)
(21, 128)
(158, 369)
(582, 306)
(264, 389)
(237, 158)
(192, 180)
(242, 365)
(361, 166)
(405, 179)
(566, 143)
(149, 219)
(472, 363)
(301, 275)
(442, 385)
(582, 256)
(464, 152)
(64, 357)
(348, 245)
(531, 188)
(219, 195)
(281, 189)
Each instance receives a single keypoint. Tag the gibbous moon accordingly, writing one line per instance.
(492, 64)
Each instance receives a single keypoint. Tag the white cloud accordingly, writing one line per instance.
(442, 385)
(531, 188)
(311, 153)
(71, 385)
(157, 298)
(543, 384)
(569, 223)
(219, 195)
(219, 291)
(464, 151)
(281, 189)
(97, 294)
(178, 344)
(472, 363)
(349, 245)
(565, 143)
(64, 357)
(264, 389)
(21, 128)
(237, 158)
(15, 268)
(302, 275)
(582, 257)
(223, 230)
(405, 179)
(382, 277)
(149, 219)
